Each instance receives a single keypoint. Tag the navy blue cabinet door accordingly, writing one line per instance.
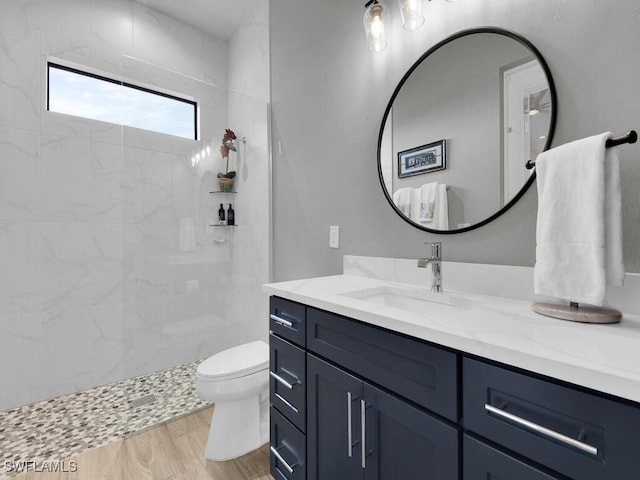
(400, 440)
(403, 442)
(333, 422)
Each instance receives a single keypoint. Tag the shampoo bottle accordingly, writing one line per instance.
(231, 216)
(221, 216)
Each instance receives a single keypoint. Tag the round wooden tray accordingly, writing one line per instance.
(582, 314)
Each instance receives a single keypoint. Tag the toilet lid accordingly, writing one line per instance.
(236, 362)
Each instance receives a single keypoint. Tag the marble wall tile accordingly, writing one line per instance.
(65, 179)
(148, 255)
(60, 124)
(94, 286)
(162, 41)
(249, 51)
(186, 195)
(20, 273)
(82, 265)
(111, 30)
(245, 302)
(250, 250)
(143, 328)
(20, 344)
(106, 132)
(151, 195)
(66, 26)
(22, 19)
(111, 181)
(82, 346)
(19, 82)
(19, 175)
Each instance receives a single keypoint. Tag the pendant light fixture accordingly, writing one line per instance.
(376, 20)
(375, 25)
(411, 11)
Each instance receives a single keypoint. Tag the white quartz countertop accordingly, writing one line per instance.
(602, 357)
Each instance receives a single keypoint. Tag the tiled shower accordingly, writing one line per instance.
(94, 284)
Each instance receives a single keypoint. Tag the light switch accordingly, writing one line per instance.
(334, 236)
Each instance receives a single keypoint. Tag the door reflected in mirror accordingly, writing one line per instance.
(487, 96)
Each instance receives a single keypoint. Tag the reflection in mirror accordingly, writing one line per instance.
(467, 116)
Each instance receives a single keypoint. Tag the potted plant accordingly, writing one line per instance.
(226, 179)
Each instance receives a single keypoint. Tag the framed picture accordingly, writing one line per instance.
(423, 159)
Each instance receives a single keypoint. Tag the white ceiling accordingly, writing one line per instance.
(220, 18)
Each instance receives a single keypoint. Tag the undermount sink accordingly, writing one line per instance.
(417, 300)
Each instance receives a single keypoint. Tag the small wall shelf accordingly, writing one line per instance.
(222, 225)
(220, 191)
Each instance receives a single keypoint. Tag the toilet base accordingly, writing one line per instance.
(237, 428)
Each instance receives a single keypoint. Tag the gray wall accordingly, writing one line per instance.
(329, 93)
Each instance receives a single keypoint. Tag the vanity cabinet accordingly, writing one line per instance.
(358, 431)
(355, 401)
(577, 433)
(287, 389)
(483, 462)
(422, 373)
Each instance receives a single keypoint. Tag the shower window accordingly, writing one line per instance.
(74, 92)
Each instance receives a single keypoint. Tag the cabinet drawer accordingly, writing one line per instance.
(422, 373)
(482, 462)
(578, 434)
(287, 380)
(288, 449)
(288, 319)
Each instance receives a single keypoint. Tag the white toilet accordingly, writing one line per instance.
(237, 381)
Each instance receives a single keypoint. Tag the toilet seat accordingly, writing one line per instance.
(235, 362)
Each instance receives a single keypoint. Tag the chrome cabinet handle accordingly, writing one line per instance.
(282, 399)
(363, 419)
(281, 380)
(281, 320)
(542, 430)
(282, 460)
(349, 432)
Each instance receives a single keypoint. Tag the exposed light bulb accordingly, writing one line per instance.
(411, 11)
(412, 6)
(375, 26)
(534, 111)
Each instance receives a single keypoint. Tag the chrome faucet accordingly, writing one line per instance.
(436, 268)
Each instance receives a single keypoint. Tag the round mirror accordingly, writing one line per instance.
(460, 127)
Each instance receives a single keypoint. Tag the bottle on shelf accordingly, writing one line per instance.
(221, 215)
(231, 216)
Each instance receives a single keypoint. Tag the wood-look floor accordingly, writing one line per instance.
(171, 451)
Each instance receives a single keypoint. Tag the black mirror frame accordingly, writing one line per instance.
(552, 124)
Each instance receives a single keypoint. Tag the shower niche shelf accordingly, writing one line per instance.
(218, 192)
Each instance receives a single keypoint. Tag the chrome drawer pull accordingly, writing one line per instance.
(282, 460)
(542, 430)
(281, 380)
(349, 433)
(281, 398)
(281, 320)
(363, 419)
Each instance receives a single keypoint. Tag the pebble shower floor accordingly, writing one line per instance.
(71, 424)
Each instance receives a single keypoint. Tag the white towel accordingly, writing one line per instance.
(426, 196)
(579, 227)
(402, 198)
(441, 211)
